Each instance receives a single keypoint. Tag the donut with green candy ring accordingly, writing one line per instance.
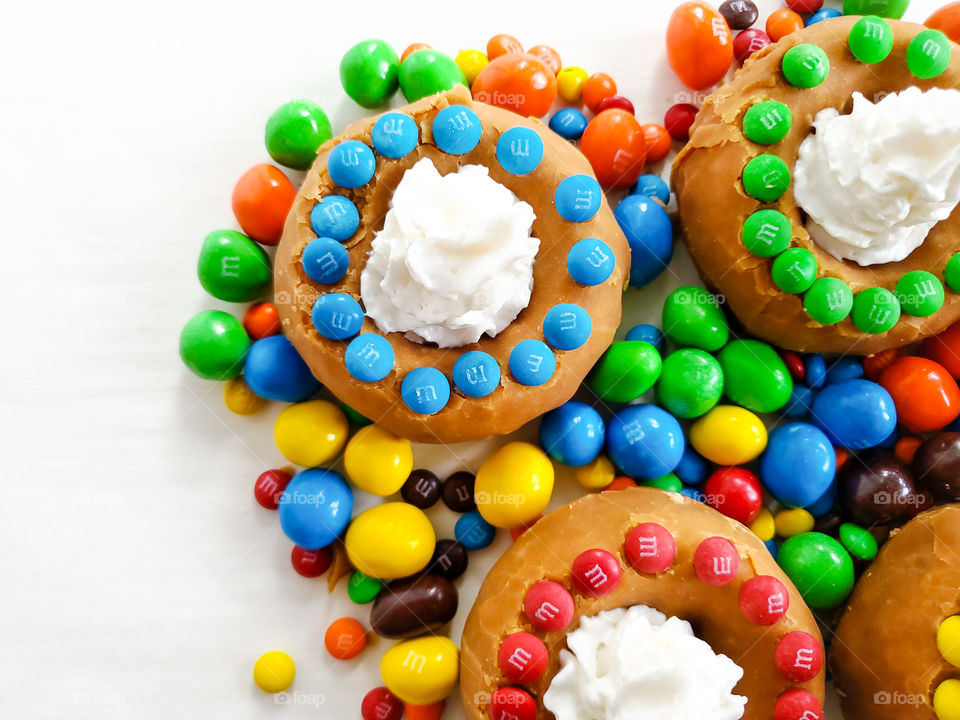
(742, 223)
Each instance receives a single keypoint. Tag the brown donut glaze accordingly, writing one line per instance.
(512, 404)
(603, 520)
(884, 658)
(713, 205)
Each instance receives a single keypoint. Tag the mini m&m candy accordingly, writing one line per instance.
(569, 123)
(799, 656)
(716, 561)
(421, 489)
(381, 704)
(650, 548)
(548, 606)
(273, 672)
(512, 703)
(473, 532)
(522, 658)
(310, 563)
(261, 320)
(763, 600)
(458, 492)
(595, 573)
(269, 486)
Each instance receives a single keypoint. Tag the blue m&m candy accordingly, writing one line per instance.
(569, 123)
(692, 468)
(567, 326)
(645, 441)
(532, 362)
(590, 261)
(519, 150)
(325, 260)
(315, 508)
(845, 368)
(476, 374)
(821, 15)
(650, 234)
(647, 333)
(395, 135)
(578, 198)
(334, 216)
(456, 130)
(369, 357)
(473, 532)
(275, 370)
(855, 414)
(825, 503)
(801, 399)
(815, 371)
(572, 434)
(351, 164)
(652, 186)
(337, 316)
(425, 390)
(798, 464)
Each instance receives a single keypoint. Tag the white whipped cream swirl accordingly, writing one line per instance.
(875, 181)
(627, 664)
(454, 259)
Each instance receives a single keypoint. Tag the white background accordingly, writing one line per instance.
(138, 577)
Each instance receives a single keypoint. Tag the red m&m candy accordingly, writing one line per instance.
(310, 563)
(715, 561)
(797, 704)
(763, 600)
(615, 101)
(799, 656)
(748, 42)
(650, 548)
(522, 658)
(736, 492)
(596, 573)
(678, 119)
(548, 606)
(269, 487)
(805, 6)
(510, 703)
(381, 704)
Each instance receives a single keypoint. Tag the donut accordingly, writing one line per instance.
(885, 659)
(754, 150)
(648, 552)
(396, 323)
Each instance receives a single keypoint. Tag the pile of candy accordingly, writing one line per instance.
(849, 449)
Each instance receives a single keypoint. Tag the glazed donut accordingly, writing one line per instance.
(694, 564)
(885, 659)
(422, 390)
(775, 277)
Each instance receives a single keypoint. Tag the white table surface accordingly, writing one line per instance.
(138, 577)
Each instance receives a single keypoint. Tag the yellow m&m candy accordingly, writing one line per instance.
(390, 541)
(514, 485)
(311, 433)
(421, 671)
(570, 82)
(471, 62)
(763, 525)
(595, 475)
(794, 521)
(729, 435)
(946, 700)
(377, 461)
(948, 640)
(274, 671)
(240, 399)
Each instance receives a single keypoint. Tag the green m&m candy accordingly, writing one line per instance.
(692, 317)
(294, 132)
(668, 482)
(369, 72)
(363, 589)
(794, 270)
(690, 384)
(428, 71)
(755, 376)
(951, 273)
(767, 122)
(875, 310)
(213, 344)
(805, 66)
(766, 177)
(870, 39)
(233, 267)
(858, 541)
(828, 301)
(920, 293)
(766, 233)
(354, 417)
(625, 371)
(928, 54)
(883, 8)
(819, 566)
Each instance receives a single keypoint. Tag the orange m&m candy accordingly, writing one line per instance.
(433, 711)
(549, 57)
(616, 147)
(658, 141)
(699, 45)
(412, 48)
(945, 349)
(596, 89)
(502, 44)
(345, 638)
(262, 198)
(518, 82)
(782, 22)
(925, 395)
(947, 21)
(261, 320)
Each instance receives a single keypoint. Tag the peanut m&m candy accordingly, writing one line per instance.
(421, 671)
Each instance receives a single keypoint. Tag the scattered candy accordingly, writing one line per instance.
(363, 589)
(274, 370)
(595, 573)
(821, 15)
(240, 399)
(310, 563)
(315, 507)
(449, 559)
(473, 532)
(596, 89)
(878, 490)
(595, 475)
(763, 525)
(649, 231)
(421, 671)
(782, 22)
(678, 119)
(377, 461)
(946, 20)
(514, 485)
(690, 384)
(699, 45)
(213, 345)
(519, 82)
(735, 492)
(232, 267)
(502, 44)
(391, 540)
(572, 434)
(652, 186)
(294, 132)
(625, 371)
(311, 433)
(858, 541)
(269, 487)
(855, 414)
(421, 489)
(261, 320)
(937, 466)
(568, 123)
(616, 102)
(798, 465)
(458, 492)
(754, 375)
(471, 62)
(820, 568)
(381, 704)
(414, 606)
(570, 82)
(345, 638)
(426, 72)
(793, 521)
(748, 42)
(883, 8)
(925, 395)
(261, 200)
(616, 147)
(692, 317)
(273, 672)
(548, 56)
(432, 711)
(739, 14)
(728, 435)
(369, 73)
(644, 441)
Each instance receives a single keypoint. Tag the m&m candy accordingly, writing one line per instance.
(273, 672)
(514, 485)
(799, 656)
(232, 267)
(715, 561)
(294, 132)
(522, 658)
(261, 201)
(269, 486)
(391, 540)
(595, 573)
(311, 433)
(728, 435)
(315, 507)
(369, 73)
(548, 606)
(572, 434)
(213, 344)
(798, 464)
(645, 441)
(421, 671)
(310, 563)
(274, 370)
(650, 548)
(736, 492)
(381, 704)
(819, 566)
(345, 638)
(699, 45)
(427, 72)
(377, 461)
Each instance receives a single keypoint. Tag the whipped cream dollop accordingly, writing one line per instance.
(875, 181)
(633, 663)
(454, 259)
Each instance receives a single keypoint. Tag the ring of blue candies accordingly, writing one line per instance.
(337, 221)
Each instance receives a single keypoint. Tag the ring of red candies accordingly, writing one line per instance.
(651, 549)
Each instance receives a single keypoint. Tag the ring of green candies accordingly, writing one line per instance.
(767, 232)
